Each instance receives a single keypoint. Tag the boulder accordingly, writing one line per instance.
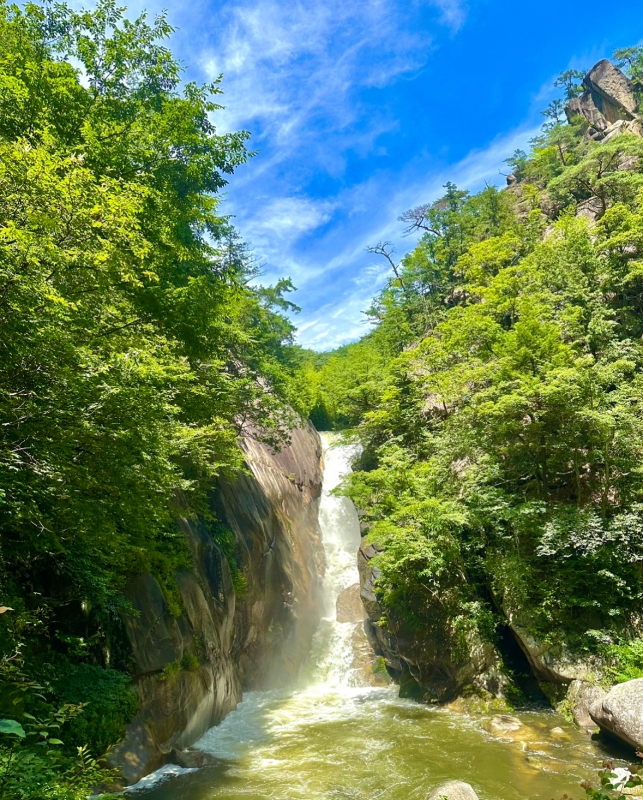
(620, 712)
(581, 695)
(453, 790)
(188, 759)
(349, 605)
(504, 723)
(612, 91)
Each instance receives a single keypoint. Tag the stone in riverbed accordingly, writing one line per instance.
(620, 712)
(453, 790)
(504, 723)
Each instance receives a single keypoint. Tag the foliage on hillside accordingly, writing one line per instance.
(133, 351)
(499, 400)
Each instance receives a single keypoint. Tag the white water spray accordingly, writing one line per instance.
(332, 650)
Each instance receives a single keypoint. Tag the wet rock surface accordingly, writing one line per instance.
(369, 669)
(453, 790)
(349, 605)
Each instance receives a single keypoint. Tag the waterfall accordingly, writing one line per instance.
(332, 650)
(327, 684)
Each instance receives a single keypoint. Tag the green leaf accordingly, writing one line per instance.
(55, 741)
(10, 726)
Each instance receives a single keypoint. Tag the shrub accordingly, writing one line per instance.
(110, 704)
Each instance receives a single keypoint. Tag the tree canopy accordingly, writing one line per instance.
(135, 350)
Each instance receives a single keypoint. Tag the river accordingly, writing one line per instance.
(331, 738)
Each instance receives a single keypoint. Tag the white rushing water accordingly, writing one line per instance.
(327, 686)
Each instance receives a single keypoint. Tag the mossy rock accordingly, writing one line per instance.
(556, 693)
(475, 700)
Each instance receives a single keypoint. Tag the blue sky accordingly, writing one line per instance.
(362, 109)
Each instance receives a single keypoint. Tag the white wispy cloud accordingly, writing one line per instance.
(349, 276)
(292, 74)
(288, 64)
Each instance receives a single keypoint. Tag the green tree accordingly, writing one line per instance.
(134, 352)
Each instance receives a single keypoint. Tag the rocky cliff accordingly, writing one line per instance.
(425, 663)
(192, 662)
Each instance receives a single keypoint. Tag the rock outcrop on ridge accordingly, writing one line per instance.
(608, 103)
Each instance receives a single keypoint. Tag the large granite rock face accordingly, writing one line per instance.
(608, 103)
(190, 669)
(425, 664)
(620, 712)
(273, 513)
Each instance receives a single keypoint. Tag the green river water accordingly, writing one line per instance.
(330, 738)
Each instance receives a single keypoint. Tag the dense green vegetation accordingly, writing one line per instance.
(499, 402)
(133, 355)
(498, 397)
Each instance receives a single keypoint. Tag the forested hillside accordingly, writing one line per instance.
(499, 403)
(134, 354)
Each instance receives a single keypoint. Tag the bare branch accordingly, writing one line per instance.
(416, 219)
(386, 249)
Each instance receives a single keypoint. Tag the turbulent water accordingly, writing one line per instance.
(330, 738)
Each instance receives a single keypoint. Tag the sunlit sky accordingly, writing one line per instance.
(362, 109)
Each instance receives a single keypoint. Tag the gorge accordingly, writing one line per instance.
(331, 733)
(234, 567)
